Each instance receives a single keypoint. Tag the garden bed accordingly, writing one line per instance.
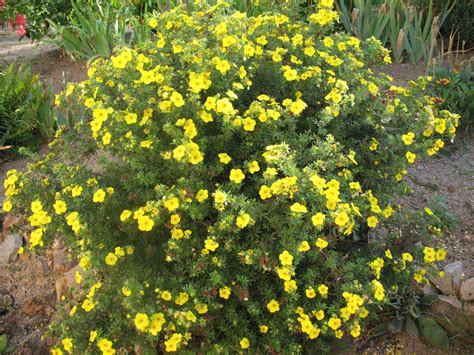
(444, 180)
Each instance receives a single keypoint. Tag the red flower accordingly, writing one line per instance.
(20, 20)
(443, 81)
(21, 31)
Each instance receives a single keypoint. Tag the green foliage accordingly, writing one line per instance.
(92, 31)
(25, 107)
(410, 311)
(433, 333)
(461, 20)
(453, 89)
(411, 31)
(239, 166)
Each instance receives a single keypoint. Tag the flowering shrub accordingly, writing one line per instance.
(243, 162)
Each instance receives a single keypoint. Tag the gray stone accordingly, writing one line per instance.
(450, 283)
(9, 248)
(467, 290)
(454, 317)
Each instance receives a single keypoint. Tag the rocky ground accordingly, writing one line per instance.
(30, 285)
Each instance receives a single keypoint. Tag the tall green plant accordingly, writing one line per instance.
(365, 19)
(93, 32)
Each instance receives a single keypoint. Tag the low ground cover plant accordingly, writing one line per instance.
(244, 163)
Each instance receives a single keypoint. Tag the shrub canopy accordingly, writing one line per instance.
(244, 162)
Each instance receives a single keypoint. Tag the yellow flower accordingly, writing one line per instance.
(87, 305)
(355, 330)
(177, 99)
(297, 107)
(201, 308)
(298, 208)
(92, 335)
(319, 315)
(290, 286)
(171, 204)
(224, 292)
(60, 207)
(263, 329)
(224, 158)
(211, 245)
(145, 223)
(286, 259)
(407, 257)
(153, 22)
(304, 246)
(341, 219)
(310, 292)
(182, 298)
(253, 167)
(125, 215)
(321, 243)
(440, 255)
(265, 192)
(99, 196)
(410, 157)
(202, 195)
(7, 206)
(141, 321)
(220, 197)
(334, 323)
(273, 306)
(236, 176)
(372, 221)
(244, 343)
(67, 345)
(243, 220)
(249, 124)
(106, 138)
(222, 66)
(111, 259)
(408, 138)
(126, 291)
(323, 290)
(318, 219)
(166, 295)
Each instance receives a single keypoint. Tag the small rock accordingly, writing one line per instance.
(454, 317)
(450, 283)
(467, 290)
(68, 283)
(61, 262)
(9, 222)
(9, 248)
(40, 304)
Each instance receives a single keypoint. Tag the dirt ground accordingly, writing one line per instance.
(447, 179)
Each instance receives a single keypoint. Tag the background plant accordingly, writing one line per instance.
(242, 165)
(453, 89)
(25, 107)
(410, 30)
(37, 12)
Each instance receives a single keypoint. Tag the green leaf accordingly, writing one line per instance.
(428, 300)
(396, 326)
(3, 343)
(433, 333)
(412, 329)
